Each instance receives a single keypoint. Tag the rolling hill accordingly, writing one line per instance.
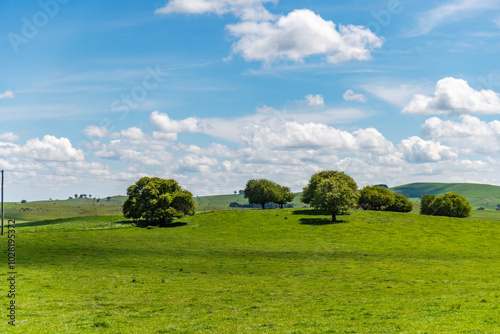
(479, 195)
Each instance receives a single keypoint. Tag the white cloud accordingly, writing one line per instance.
(98, 132)
(8, 137)
(133, 133)
(315, 100)
(455, 97)
(246, 9)
(470, 136)
(293, 135)
(451, 11)
(417, 150)
(7, 95)
(48, 149)
(398, 95)
(301, 34)
(350, 96)
(168, 128)
(51, 148)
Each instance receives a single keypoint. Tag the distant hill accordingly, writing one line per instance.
(479, 195)
(226, 200)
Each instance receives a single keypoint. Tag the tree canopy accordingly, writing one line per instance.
(375, 198)
(331, 191)
(158, 201)
(450, 205)
(381, 198)
(262, 191)
(309, 191)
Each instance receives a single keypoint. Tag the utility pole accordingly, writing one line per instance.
(2, 202)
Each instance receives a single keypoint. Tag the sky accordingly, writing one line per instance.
(95, 95)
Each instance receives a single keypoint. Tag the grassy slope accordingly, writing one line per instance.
(272, 271)
(225, 200)
(487, 196)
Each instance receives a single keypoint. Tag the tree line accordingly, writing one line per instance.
(159, 201)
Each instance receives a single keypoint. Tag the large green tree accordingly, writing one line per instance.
(309, 191)
(262, 191)
(331, 191)
(158, 201)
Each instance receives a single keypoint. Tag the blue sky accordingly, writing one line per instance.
(94, 95)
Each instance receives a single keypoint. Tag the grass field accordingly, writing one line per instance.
(223, 201)
(479, 195)
(256, 271)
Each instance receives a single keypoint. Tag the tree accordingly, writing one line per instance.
(426, 204)
(261, 191)
(310, 190)
(451, 205)
(158, 201)
(375, 198)
(331, 191)
(284, 195)
(334, 196)
(401, 203)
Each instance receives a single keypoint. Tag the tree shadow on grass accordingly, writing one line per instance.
(320, 221)
(148, 224)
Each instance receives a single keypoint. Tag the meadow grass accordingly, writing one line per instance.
(264, 271)
(479, 195)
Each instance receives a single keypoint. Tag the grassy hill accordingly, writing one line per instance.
(223, 201)
(262, 271)
(82, 207)
(479, 195)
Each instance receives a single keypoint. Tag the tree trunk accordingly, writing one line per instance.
(334, 217)
(263, 206)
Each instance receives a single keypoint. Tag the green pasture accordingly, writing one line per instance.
(479, 195)
(260, 271)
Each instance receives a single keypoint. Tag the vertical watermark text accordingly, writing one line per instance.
(11, 274)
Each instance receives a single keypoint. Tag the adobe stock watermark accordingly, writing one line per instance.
(31, 26)
(491, 82)
(383, 18)
(122, 106)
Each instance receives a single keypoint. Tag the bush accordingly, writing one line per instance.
(375, 198)
(449, 205)
(425, 204)
(400, 204)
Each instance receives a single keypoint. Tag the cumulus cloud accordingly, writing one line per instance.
(455, 97)
(51, 148)
(350, 96)
(7, 95)
(471, 135)
(98, 132)
(315, 100)
(417, 150)
(167, 128)
(301, 34)
(246, 9)
(293, 135)
(133, 133)
(8, 137)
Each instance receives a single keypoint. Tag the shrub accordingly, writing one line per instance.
(375, 198)
(425, 204)
(400, 204)
(449, 205)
